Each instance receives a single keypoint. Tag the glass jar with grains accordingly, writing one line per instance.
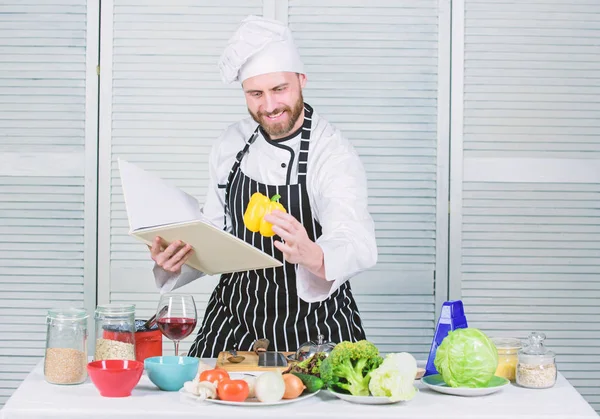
(65, 360)
(508, 357)
(115, 332)
(537, 365)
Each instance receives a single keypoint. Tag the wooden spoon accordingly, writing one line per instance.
(234, 357)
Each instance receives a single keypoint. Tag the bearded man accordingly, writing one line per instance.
(325, 237)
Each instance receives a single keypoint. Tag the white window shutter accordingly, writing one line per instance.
(164, 106)
(48, 102)
(526, 184)
(373, 71)
(167, 107)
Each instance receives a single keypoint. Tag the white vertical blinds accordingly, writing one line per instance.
(524, 221)
(373, 72)
(167, 107)
(46, 247)
(527, 250)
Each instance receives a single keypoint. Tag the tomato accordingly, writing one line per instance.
(216, 374)
(233, 390)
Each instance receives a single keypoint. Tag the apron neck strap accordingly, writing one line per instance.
(240, 154)
(304, 144)
(302, 158)
(234, 169)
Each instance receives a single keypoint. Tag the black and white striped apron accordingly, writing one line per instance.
(250, 305)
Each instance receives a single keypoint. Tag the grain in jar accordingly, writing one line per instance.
(536, 376)
(508, 357)
(115, 332)
(65, 366)
(65, 359)
(113, 349)
(537, 365)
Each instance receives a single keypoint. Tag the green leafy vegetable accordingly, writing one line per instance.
(310, 365)
(395, 377)
(466, 358)
(348, 367)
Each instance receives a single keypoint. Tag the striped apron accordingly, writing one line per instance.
(250, 305)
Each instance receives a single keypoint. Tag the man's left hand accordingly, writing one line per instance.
(296, 247)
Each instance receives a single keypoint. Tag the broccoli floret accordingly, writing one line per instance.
(349, 365)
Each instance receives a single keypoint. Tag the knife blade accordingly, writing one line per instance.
(271, 359)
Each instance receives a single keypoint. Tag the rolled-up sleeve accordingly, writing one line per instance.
(168, 281)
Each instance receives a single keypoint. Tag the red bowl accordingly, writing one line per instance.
(115, 377)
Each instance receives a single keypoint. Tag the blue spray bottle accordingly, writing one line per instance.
(452, 317)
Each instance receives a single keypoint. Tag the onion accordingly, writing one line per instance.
(293, 386)
(251, 380)
(269, 387)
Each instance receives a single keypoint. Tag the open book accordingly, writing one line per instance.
(155, 208)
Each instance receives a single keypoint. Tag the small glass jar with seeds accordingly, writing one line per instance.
(66, 359)
(537, 365)
(115, 332)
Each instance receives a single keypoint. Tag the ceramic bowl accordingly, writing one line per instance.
(115, 377)
(169, 373)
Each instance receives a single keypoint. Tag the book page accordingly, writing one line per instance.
(215, 251)
(152, 202)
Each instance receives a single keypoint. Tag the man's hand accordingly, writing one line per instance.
(173, 257)
(296, 247)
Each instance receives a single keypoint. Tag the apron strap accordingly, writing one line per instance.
(234, 169)
(302, 158)
(304, 144)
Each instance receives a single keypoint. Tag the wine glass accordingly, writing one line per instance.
(176, 317)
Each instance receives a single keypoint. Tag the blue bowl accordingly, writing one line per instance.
(170, 372)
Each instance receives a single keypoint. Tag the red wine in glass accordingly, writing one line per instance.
(176, 328)
(176, 317)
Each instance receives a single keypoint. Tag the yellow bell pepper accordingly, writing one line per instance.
(257, 208)
(255, 211)
(266, 228)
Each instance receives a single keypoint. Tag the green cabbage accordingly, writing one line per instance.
(466, 358)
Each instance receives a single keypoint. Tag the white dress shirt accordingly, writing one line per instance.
(337, 188)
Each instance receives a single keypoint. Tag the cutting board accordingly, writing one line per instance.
(250, 362)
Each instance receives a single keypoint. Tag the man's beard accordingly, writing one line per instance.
(283, 128)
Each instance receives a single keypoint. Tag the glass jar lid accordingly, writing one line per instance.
(115, 309)
(535, 352)
(507, 344)
(67, 314)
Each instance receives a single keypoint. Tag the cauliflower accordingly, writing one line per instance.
(394, 378)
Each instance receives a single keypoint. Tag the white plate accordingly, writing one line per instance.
(436, 383)
(362, 399)
(248, 402)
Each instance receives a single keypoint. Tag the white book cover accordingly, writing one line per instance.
(156, 208)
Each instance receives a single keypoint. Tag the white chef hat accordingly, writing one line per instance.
(259, 46)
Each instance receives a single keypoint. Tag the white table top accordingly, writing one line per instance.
(37, 399)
